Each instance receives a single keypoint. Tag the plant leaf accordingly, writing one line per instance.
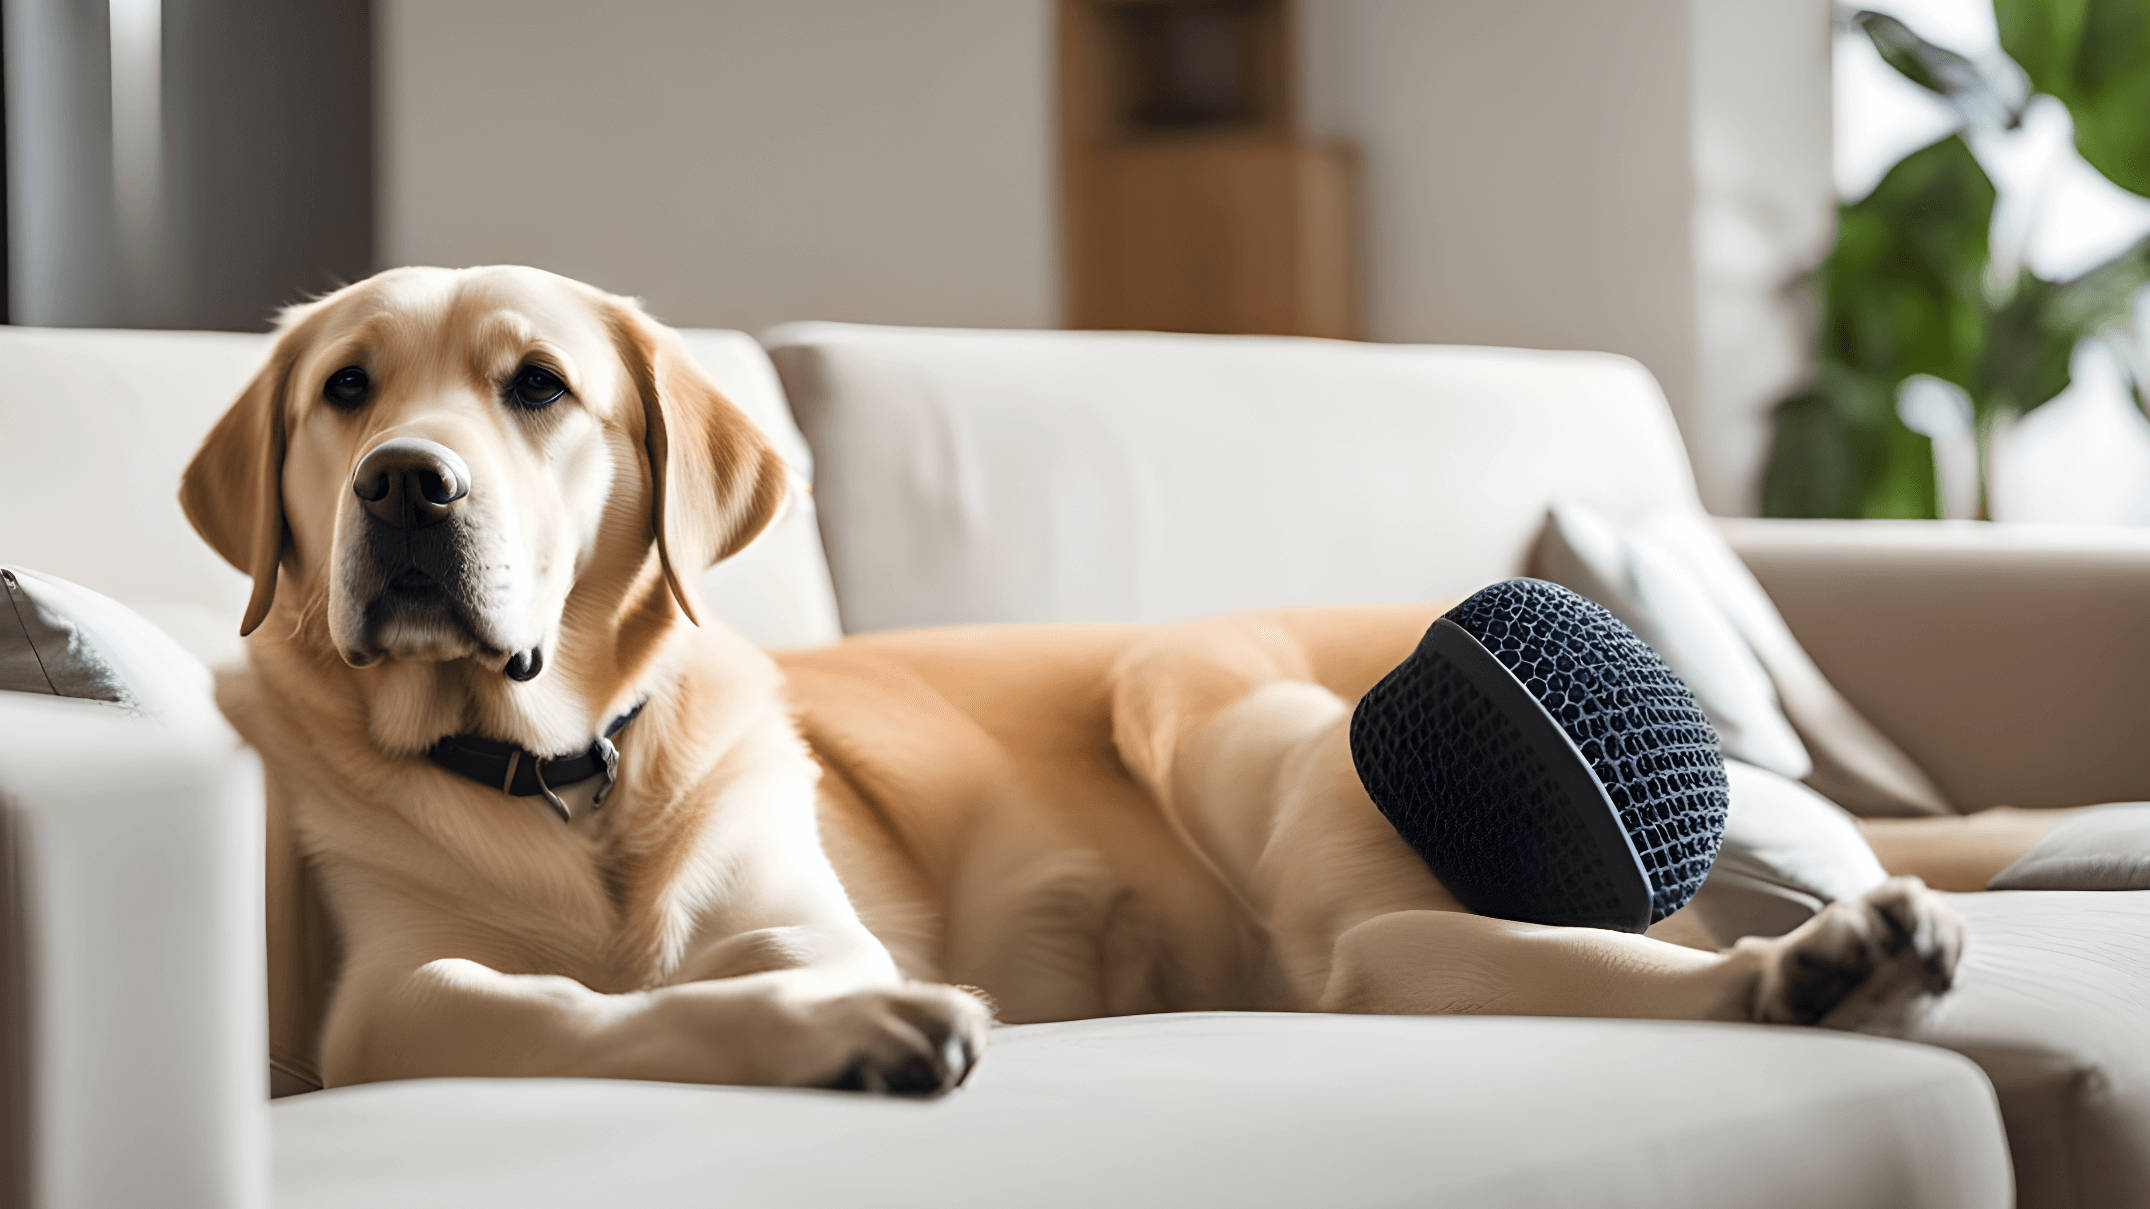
(2095, 56)
(1902, 294)
(1982, 98)
(1902, 289)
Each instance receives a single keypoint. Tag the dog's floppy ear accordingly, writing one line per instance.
(716, 481)
(233, 489)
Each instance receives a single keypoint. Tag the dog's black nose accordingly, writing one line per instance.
(411, 483)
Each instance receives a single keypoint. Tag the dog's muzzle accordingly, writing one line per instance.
(412, 491)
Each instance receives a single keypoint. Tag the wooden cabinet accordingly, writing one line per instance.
(1191, 203)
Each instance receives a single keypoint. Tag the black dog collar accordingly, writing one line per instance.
(515, 770)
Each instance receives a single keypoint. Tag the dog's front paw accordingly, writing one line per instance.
(1863, 962)
(919, 1039)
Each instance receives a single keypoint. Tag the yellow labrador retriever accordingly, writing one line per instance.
(566, 826)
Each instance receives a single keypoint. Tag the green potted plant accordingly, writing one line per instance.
(1913, 286)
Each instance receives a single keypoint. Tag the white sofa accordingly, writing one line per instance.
(1075, 476)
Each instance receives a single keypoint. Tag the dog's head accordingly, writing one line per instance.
(479, 472)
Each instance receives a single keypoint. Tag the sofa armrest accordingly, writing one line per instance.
(133, 1011)
(2011, 661)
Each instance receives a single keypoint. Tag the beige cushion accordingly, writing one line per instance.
(2008, 660)
(1108, 476)
(99, 424)
(43, 650)
(1213, 1109)
(2053, 1000)
(1672, 577)
(2103, 848)
(84, 645)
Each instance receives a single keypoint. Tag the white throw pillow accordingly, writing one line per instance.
(1675, 581)
(1788, 852)
(1650, 589)
(1855, 765)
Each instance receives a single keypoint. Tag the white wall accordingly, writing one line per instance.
(1526, 171)
(736, 163)
(1641, 177)
(1764, 215)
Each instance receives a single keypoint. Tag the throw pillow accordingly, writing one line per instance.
(1649, 588)
(1850, 761)
(1788, 852)
(1855, 765)
(62, 639)
(2103, 848)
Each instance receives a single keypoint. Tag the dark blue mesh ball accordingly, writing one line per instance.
(1545, 762)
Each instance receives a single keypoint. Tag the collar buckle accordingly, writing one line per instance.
(611, 757)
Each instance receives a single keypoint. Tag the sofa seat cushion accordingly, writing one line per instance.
(2053, 1000)
(1210, 1109)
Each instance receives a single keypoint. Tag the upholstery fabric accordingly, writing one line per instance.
(99, 425)
(1671, 576)
(1108, 476)
(1240, 1109)
(1855, 765)
(1788, 852)
(2006, 660)
(1648, 588)
(133, 942)
(2053, 1000)
(43, 651)
(2104, 848)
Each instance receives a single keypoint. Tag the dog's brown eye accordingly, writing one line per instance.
(534, 387)
(347, 387)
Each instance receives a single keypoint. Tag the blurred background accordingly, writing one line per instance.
(1884, 262)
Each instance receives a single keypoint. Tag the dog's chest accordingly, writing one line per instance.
(498, 880)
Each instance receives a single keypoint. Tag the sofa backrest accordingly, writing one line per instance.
(998, 476)
(95, 427)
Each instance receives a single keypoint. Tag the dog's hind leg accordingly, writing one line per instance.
(1266, 789)
(1861, 964)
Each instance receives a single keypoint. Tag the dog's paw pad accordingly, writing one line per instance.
(1862, 963)
(915, 1040)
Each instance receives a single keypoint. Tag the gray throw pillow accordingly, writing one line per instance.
(60, 639)
(2105, 848)
(42, 650)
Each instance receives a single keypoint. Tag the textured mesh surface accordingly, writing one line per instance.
(1477, 797)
